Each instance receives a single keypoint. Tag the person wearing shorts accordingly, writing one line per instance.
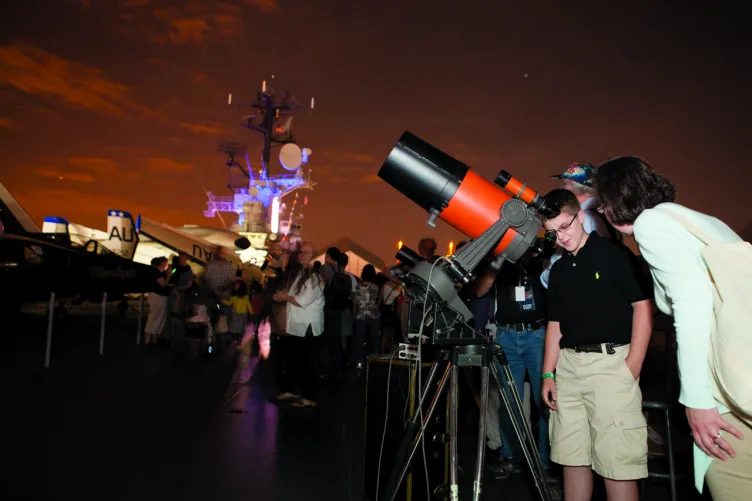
(599, 326)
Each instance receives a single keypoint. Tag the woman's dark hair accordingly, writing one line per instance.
(242, 289)
(368, 274)
(291, 270)
(629, 185)
(158, 261)
(317, 266)
(295, 269)
(333, 253)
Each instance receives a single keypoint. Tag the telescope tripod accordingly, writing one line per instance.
(474, 355)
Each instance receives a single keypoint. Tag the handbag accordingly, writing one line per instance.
(730, 270)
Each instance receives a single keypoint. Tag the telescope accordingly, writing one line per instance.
(502, 218)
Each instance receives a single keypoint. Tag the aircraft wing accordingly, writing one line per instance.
(33, 264)
(31, 268)
(198, 250)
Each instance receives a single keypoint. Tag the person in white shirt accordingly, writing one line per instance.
(577, 178)
(305, 322)
(638, 201)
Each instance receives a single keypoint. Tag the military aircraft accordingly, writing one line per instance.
(34, 264)
(144, 239)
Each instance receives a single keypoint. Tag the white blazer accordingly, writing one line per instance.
(683, 289)
(311, 309)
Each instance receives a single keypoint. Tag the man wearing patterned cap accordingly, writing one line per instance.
(578, 179)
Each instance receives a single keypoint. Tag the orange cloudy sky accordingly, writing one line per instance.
(121, 103)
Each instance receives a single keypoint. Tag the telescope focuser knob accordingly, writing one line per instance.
(432, 215)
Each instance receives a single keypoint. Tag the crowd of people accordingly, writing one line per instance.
(575, 323)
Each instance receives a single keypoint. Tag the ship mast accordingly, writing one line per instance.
(258, 203)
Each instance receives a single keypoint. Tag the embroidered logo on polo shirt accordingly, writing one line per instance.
(597, 276)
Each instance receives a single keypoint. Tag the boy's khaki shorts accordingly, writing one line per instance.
(599, 421)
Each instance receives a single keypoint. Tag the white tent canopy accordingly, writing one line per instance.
(358, 256)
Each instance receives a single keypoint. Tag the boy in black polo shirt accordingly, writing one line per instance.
(599, 326)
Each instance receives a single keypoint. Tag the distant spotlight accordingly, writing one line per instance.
(275, 215)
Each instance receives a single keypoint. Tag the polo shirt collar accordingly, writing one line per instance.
(587, 244)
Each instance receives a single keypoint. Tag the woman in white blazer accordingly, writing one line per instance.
(635, 199)
(305, 323)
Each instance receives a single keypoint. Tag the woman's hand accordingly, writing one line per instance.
(281, 296)
(706, 427)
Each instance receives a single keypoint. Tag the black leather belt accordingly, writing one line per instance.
(521, 327)
(597, 348)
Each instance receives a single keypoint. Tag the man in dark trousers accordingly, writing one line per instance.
(520, 313)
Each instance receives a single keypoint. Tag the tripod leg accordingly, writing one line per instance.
(481, 457)
(513, 407)
(423, 392)
(453, 456)
(414, 434)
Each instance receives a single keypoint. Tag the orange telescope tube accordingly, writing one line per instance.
(450, 191)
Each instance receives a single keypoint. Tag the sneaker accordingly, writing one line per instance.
(492, 456)
(505, 468)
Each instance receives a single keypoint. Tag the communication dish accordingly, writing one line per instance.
(290, 156)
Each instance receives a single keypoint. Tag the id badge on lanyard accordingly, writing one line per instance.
(523, 294)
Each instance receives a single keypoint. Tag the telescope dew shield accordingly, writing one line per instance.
(423, 173)
(436, 181)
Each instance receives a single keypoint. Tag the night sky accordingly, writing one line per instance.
(126, 100)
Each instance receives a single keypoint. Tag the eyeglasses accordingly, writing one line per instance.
(554, 234)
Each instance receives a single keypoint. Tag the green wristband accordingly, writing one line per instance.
(548, 375)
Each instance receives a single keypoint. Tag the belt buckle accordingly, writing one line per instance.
(610, 348)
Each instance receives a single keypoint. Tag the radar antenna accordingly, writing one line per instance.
(273, 120)
(230, 149)
(258, 203)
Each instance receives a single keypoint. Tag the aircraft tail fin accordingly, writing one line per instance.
(54, 224)
(13, 218)
(123, 237)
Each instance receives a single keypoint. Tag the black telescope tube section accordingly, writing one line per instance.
(502, 179)
(423, 173)
(408, 256)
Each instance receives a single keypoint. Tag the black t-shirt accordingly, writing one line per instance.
(591, 294)
(158, 289)
(520, 297)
